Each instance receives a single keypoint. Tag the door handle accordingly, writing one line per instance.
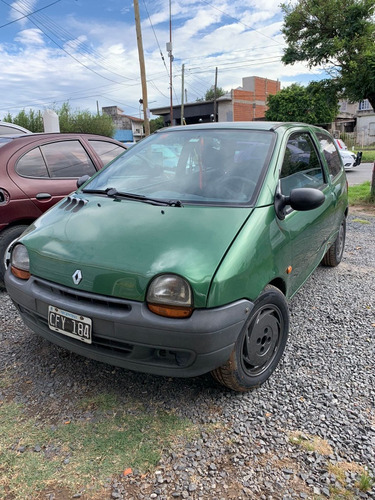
(43, 196)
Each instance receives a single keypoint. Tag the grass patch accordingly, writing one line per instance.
(80, 456)
(368, 156)
(102, 402)
(361, 221)
(340, 470)
(361, 194)
(310, 443)
(6, 380)
(365, 482)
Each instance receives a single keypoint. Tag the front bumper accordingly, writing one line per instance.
(125, 333)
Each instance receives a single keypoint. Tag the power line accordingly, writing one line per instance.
(239, 63)
(27, 15)
(66, 37)
(238, 21)
(156, 38)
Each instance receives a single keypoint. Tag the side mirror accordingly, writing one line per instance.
(302, 199)
(82, 180)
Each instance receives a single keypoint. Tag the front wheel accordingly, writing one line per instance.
(7, 238)
(260, 344)
(334, 254)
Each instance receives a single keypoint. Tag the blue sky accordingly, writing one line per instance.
(85, 51)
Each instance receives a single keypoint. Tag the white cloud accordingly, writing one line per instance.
(31, 36)
(21, 9)
(237, 38)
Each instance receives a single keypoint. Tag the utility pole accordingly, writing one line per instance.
(215, 101)
(142, 67)
(182, 95)
(169, 49)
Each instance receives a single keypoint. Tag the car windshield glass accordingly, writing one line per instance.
(192, 166)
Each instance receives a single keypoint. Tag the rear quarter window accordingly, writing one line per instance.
(331, 154)
(107, 151)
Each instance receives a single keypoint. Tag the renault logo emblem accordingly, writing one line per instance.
(77, 277)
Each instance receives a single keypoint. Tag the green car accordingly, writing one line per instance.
(179, 257)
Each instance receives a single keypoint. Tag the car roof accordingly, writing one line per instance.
(11, 128)
(30, 138)
(257, 125)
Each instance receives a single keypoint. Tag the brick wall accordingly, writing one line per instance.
(243, 100)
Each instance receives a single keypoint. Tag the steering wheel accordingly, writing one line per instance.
(235, 187)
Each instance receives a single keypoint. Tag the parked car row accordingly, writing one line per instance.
(38, 170)
(179, 257)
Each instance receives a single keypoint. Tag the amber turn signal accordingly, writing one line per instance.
(171, 311)
(20, 273)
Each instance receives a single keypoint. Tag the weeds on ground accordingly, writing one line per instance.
(361, 194)
(79, 456)
(339, 470)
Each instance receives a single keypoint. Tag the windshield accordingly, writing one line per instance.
(191, 166)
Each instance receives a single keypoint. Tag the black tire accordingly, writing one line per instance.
(7, 237)
(335, 252)
(260, 344)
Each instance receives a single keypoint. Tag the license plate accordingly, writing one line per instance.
(70, 324)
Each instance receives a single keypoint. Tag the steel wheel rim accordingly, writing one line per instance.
(262, 340)
(340, 241)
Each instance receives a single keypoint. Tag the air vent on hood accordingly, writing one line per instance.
(73, 204)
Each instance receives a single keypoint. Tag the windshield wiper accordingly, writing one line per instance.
(96, 191)
(113, 193)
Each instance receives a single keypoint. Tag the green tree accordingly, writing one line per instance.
(210, 94)
(32, 120)
(156, 123)
(338, 34)
(84, 121)
(316, 104)
(70, 121)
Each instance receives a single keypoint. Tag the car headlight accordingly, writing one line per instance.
(171, 296)
(20, 262)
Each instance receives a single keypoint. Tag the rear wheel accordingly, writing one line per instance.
(7, 238)
(260, 344)
(334, 254)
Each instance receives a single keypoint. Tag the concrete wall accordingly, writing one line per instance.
(366, 129)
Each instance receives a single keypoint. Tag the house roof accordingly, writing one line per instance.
(133, 118)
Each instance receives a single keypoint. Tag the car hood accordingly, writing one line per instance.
(346, 154)
(120, 245)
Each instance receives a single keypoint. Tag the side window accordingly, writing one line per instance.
(32, 164)
(301, 165)
(107, 151)
(331, 154)
(67, 159)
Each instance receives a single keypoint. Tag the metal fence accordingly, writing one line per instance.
(354, 140)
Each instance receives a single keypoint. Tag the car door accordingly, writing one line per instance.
(309, 231)
(48, 172)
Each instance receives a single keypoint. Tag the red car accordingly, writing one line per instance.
(37, 170)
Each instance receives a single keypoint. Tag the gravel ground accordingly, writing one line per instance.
(323, 387)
